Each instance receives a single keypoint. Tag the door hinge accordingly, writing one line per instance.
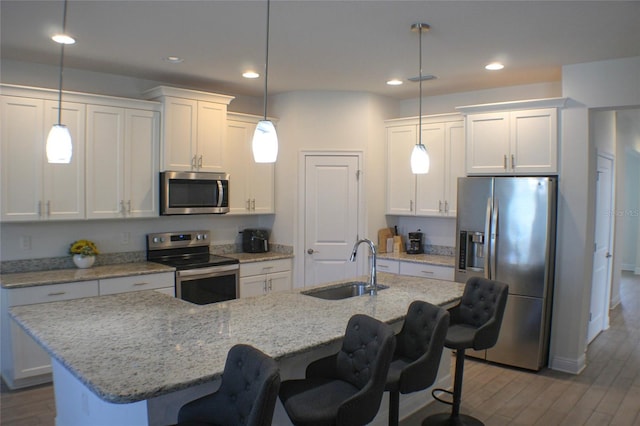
(358, 174)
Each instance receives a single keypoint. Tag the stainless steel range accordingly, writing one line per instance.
(201, 277)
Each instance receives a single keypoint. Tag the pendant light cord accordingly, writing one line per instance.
(266, 61)
(64, 31)
(420, 80)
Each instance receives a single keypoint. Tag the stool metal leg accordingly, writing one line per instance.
(394, 408)
(454, 418)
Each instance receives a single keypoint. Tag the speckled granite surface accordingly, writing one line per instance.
(431, 259)
(134, 346)
(29, 279)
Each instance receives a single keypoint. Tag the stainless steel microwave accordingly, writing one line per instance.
(194, 193)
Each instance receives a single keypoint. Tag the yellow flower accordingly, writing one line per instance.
(84, 248)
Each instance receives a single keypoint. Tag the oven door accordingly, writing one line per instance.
(208, 285)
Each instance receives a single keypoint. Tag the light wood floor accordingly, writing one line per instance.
(607, 392)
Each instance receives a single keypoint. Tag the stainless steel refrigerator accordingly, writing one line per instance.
(506, 232)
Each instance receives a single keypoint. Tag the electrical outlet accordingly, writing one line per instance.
(125, 237)
(25, 242)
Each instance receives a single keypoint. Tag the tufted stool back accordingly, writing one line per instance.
(480, 310)
(247, 394)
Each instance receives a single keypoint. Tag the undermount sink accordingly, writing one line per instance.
(342, 291)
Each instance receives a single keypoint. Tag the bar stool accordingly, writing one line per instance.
(418, 351)
(346, 388)
(474, 324)
(247, 394)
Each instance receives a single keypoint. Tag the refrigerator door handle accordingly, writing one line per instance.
(487, 243)
(494, 238)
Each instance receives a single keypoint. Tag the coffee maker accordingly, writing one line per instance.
(415, 243)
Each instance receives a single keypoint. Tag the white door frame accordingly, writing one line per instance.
(300, 252)
(607, 298)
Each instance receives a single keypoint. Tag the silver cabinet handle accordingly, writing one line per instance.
(446, 206)
(427, 272)
(440, 206)
(383, 266)
(129, 206)
(200, 161)
(140, 284)
(253, 204)
(505, 162)
(48, 208)
(513, 161)
(248, 203)
(39, 208)
(264, 286)
(122, 210)
(270, 284)
(193, 162)
(410, 205)
(57, 293)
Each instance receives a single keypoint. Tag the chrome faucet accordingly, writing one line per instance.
(373, 282)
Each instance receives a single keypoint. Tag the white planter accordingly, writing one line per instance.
(83, 262)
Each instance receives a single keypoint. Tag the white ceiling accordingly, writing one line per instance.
(324, 45)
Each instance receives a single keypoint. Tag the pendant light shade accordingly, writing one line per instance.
(420, 161)
(265, 142)
(59, 147)
(265, 138)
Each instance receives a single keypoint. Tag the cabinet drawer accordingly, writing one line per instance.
(390, 266)
(51, 293)
(137, 283)
(426, 271)
(266, 267)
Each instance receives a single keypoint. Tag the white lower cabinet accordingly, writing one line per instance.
(259, 278)
(426, 271)
(423, 270)
(24, 362)
(163, 282)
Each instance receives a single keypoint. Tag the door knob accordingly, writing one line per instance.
(311, 251)
(608, 255)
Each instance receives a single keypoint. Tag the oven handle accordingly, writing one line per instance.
(207, 271)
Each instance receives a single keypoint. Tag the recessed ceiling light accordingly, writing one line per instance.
(173, 59)
(394, 82)
(250, 74)
(63, 39)
(494, 66)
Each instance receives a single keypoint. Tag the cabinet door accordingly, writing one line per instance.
(401, 183)
(23, 151)
(430, 186)
(255, 285)
(64, 183)
(239, 134)
(105, 173)
(180, 134)
(487, 143)
(141, 163)
(262, 187)
(534, 141)
(454, 160)
(211, 136)
(280, 281)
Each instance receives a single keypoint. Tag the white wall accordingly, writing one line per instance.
(605, 84)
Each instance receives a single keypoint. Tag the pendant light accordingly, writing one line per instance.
(420, 157)
(265, 139)
(59, 146)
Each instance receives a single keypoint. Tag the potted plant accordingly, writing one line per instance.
(84, 253)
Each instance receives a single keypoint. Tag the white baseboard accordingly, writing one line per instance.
(568, 365)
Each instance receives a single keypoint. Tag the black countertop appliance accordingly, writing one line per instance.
(255, 240)
(415, 243)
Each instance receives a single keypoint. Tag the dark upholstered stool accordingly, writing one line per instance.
(345, 388)
(417, 356)
(247, 394)
(474, 324)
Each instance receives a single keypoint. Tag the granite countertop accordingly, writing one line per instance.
(30, 279)
(431, 259)
(135, 346)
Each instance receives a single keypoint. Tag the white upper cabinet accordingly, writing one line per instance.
(516, 138)
(251, 184)
(434, 193)
(122, 159)
(33, 189)
(194, 130)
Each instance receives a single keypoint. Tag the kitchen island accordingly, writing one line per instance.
(135, 358)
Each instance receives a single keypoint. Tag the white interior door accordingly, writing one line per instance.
(599, 313)
(331, 217)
